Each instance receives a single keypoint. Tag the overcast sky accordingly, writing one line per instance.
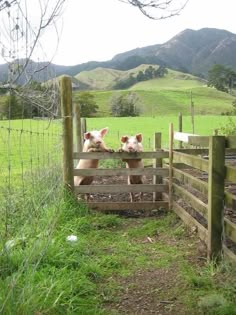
(100, 29)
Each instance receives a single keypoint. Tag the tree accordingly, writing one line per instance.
(14, 108)
(158, 9)
(88, 106)
(160, 72)
(222, 78)
(149, 73)
(124, 105)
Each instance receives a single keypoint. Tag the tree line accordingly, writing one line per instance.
(147, 74)
(222, 78)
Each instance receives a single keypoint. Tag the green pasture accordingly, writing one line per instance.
(204, 125)
(30, 144)
(27, 145)
(163, 96)
(169, 101)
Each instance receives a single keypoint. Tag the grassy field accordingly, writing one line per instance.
(163, 96)
(204, 125)
(169, 101)
(117, 265)
(40, 137)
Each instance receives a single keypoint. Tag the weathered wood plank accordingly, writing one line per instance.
(191, 160)
(230, 200)
(109, 189)
(197, 204)
(194, 182)
(122, 172)
(121, 155)
(78, 131)
(182, 136)
(193, 151)
(216, 196)
(122, 206)
(230, 142)
(67, 124)
(202, 141)
(180, 128)
(190, 221)
(229, 255)
(157, 163)
(230, 229)
(170, 180)
(230, 174)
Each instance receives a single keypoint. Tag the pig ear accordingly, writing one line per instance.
(124, 139)
(103, 131)
(139, 137)
(87, 135)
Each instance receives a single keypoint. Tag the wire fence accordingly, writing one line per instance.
(29, 159)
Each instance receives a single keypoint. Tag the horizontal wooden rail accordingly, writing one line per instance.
(182, 136)
(202, 141)
(198, 205)
(122, 171)
(230, 200)
(193, 181)
(121, 155)
(123, 206)
(120, 188)
(193, 151)
(190, 221)
(230, 229)
(192, 139)
(230, 173)
(229, 254)
(191, 160)
(230, 142)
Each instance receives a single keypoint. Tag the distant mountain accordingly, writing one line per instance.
(192, 51)
(39, 71)
(189, 51)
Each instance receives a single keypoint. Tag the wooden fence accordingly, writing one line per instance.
(179, 166)
(207, 192)
(157, 187)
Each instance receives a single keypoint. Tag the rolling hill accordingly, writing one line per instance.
(163, 96)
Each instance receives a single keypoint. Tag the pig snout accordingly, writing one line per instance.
(97, 143)
(131, 148)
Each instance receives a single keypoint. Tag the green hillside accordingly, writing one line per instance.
(105, 79)
(99, 78)
(168, 95)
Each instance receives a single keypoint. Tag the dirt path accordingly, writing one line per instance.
(162, 289)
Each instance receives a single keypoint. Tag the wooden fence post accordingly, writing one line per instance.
(216, 196)
(171, 144)
(79, 138)
(180, 128)
(83, 125)
(67, 122)
(157, 163)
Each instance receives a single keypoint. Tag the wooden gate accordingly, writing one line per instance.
(157, 171)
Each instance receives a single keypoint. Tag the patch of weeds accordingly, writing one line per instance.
(216, 304)
(196, 278)
(106, 221)
(147, 229)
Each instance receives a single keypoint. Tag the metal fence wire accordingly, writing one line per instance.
(30, 155)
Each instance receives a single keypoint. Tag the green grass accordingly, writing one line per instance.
(164, 96)
(170, 101)
(43, 273)
(47, 274)
(204, 125)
